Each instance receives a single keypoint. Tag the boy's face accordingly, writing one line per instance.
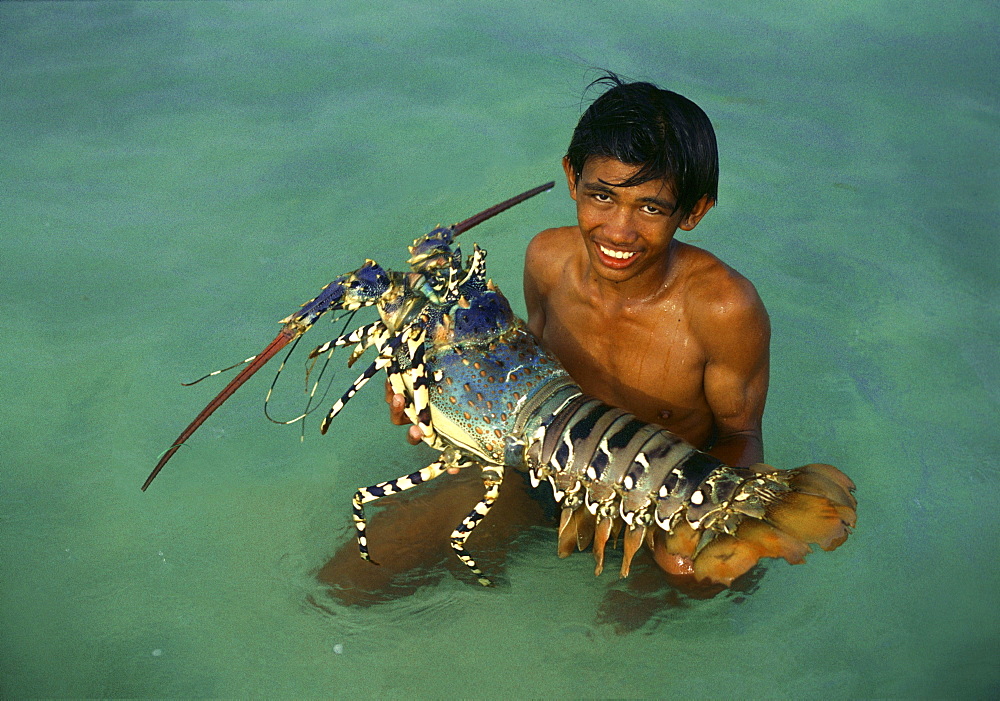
(627, 230)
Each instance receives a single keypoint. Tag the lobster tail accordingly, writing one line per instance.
(772, 514)
(614, 474)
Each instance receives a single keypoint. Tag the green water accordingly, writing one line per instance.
(176, 177)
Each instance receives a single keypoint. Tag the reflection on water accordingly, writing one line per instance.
(177, 177)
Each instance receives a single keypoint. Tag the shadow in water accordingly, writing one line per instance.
(408, 534)
(650, 592)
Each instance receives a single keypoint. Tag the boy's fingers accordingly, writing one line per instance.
(414, 436)
(396, 404)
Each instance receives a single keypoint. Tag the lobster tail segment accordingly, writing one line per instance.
(772, 514)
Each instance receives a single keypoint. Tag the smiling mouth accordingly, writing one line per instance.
(618, 255)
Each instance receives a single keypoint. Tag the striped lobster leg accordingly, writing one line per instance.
(417, 373)
(448, 459)
(492, 477)
(414, 336)
(386, 351)
(417, 394)
(364, 337)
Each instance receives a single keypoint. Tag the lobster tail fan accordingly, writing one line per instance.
(779, 515)
(824, 481)
(812, 519)
(727, 557)
(819, 508)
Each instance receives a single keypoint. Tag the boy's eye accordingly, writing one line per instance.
(601, 197)
(650, 209)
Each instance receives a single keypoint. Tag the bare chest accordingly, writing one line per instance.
(647, 362)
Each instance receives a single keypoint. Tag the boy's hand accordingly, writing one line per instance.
(396, 403)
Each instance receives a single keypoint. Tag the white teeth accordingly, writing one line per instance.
(622, 255)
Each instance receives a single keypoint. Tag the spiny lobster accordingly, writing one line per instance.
(486, 394)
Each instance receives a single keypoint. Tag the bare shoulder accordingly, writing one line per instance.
(725, 301)
(549, 252)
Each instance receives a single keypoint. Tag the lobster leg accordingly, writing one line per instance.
(417, 401)
(398, 384)
(363, 336)
(382, 489)
(449, 458)
(421, 393)
(492, 477)
(365, 342)
(384, 358)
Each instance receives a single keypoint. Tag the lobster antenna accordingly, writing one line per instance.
(472, 221)
(309, 408)
(253, 358)
(270, 390)
(219, 372)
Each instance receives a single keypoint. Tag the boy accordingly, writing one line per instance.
(640, 320)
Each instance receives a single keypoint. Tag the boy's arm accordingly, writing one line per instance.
(736, 336)
(533, 270)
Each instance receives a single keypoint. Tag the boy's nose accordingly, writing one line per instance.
(619, 229)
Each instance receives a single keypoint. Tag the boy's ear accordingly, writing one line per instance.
(699, 210)
(570, 177)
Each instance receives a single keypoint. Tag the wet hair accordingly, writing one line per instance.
(665, 134)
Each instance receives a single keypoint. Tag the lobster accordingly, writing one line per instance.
(486, 394)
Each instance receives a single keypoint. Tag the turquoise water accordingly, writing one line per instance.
(177, 177)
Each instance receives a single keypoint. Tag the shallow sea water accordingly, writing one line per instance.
(176, 177)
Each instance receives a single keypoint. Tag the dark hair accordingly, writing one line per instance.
(665, 134)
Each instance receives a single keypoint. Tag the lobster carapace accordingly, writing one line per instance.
(486, 394)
